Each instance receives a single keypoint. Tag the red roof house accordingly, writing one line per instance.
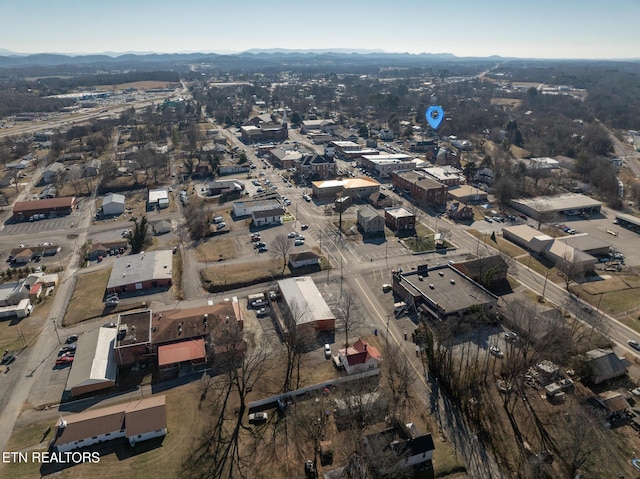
(360, 357)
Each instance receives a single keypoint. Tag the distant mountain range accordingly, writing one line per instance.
(250, 60)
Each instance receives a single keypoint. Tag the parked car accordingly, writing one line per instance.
(64, 360)
(219, 226)
(109, 325)
(258, 417)
(634, 344)
(262, 312)
(258, 303)
(273, 295)
(386, 288)
(259, 244)
(263, 249)
(495, 350)
(488, 219)
(72, 339)
(7, 359)
(298, 242)
(293, 234)
(327, 351)
(304, 227)
(510, 336)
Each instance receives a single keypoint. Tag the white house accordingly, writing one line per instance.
(268, 217)
(401, 446)
(306, 258)
(359, 358)
(113, 204)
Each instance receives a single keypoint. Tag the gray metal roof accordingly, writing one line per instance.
(141, 267)
(304, 293)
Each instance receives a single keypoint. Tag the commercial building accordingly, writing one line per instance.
(137, 421)
(316, 167)
(568, 204)
(94, 365)
(399, 219)
(360, 188)
(273, 216)
(443, 293)
(303, 301)
(285, 158)
(141, 272)
(447, 175)
(467, 194)
(423, 189)
(158, 198)
(306, 258)
(50, 207)
(258, 203)
(385, 164)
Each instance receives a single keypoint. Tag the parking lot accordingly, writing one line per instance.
(36, 227)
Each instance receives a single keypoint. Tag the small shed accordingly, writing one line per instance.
(113, 204)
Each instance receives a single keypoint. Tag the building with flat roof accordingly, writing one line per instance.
(467, 194)
(527, 237)
(443, 293)
(302, 298)
(568, 204)
(399, 219)
(158, 198)
(422, 188)
(360, 188)
(94, 366)
(137, 421)
(446, 174)
(385, 164)
(141, 272)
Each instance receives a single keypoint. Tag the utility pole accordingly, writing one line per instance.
(55, 327)
(544, 288)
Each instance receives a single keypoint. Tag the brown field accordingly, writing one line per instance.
(502, 245)
(213, 249)
(14, 333)
(142, 85)
(86, 301)
(510, 102)
(222, 274)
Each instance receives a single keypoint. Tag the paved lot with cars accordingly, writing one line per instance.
(36, 227)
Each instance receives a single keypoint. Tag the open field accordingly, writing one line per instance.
(510, 102)
(14, 333)
(213, 249)
(502, 245)
(242, 273)
(142, 85)
(86, 301)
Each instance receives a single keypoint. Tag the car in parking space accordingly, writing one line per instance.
(72, 339)
(258, 303)
(64, 360)
(262, 312)
(304, 227)
(510, 336)
(298, 242)
(634, 344)
(219, 226)
(306, 197)
(109, 325)
(263, 249)
(273, 295)
(292, 234)
(259, 244)
(386, 288)
(488, 219)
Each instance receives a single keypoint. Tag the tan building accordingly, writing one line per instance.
(360, 188)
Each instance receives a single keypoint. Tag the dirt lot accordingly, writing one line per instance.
(87, 298)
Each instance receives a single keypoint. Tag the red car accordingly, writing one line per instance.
(64, 360)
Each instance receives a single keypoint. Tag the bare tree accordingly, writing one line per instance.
(346, 315)
(217, 452)
(280, 247)
(400, 376)
(295, 341)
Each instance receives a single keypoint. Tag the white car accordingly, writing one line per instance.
(258, 417)
(298, 242)
(495, 350)
(293, 234)
(327, 351)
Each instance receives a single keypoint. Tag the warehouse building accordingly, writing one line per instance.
(303, 300)
(141, 272)
(570, 204)
(50, 207)
(94, 365)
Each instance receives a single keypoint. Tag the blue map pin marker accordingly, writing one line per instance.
(434, 115)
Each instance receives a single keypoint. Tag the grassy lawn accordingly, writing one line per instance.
(221, 274)
(500, 244)
(13, 332)
(213, 249)
(86, 301)
(165, 460)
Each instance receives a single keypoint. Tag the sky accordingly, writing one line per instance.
(591, 29)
